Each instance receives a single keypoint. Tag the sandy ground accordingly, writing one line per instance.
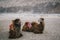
(51, 31)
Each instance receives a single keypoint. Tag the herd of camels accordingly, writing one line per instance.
(15, 27)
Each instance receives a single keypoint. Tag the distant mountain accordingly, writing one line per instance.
(9, 9)
(48, 7)
(53, 7)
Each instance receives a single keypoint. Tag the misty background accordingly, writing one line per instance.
(36, 6)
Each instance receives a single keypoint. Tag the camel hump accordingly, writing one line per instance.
(34, 23)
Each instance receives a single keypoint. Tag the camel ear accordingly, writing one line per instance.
(42, 18)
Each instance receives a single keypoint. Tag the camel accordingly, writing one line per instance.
(34, 26)
(14, 31)
(38, 28)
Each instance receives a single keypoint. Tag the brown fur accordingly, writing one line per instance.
(38, 28)
(25, 28)
(14, 31)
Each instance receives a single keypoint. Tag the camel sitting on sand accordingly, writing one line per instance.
(38, 28)
(34, 26)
